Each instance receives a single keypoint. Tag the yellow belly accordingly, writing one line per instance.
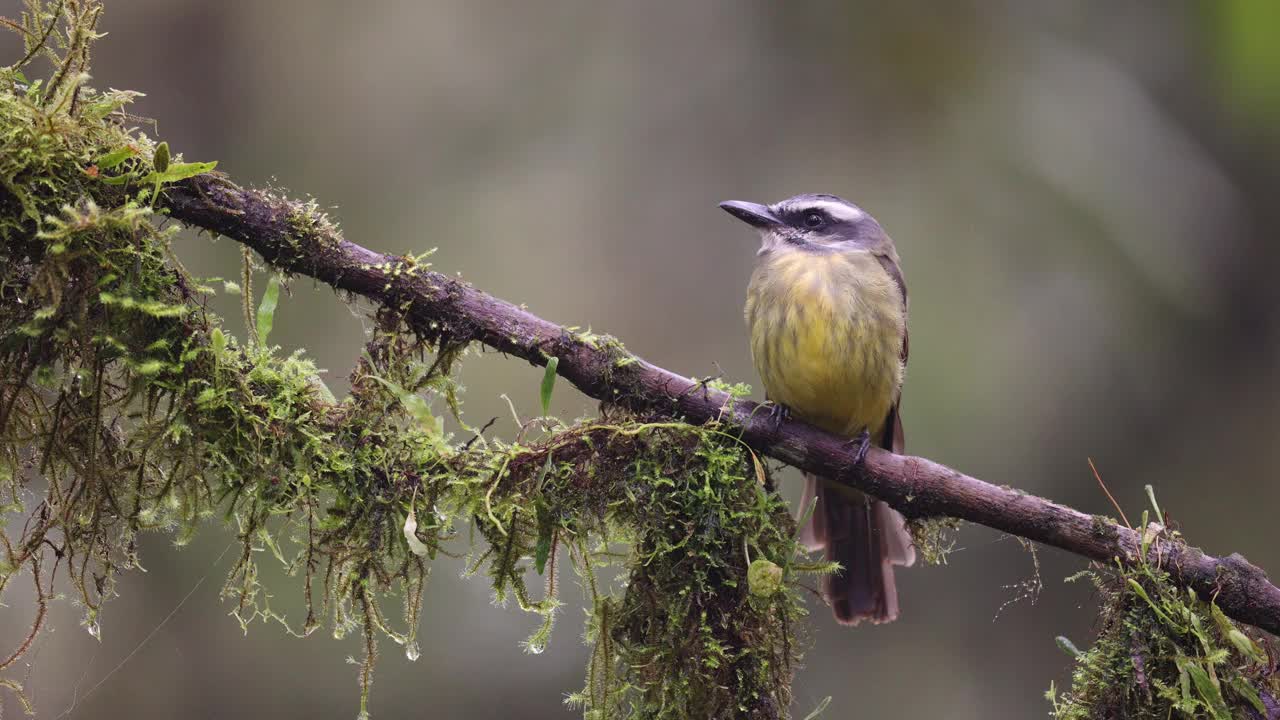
(826, 336)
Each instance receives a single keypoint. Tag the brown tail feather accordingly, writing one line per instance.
(867, 538)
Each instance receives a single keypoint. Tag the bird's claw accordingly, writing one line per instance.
(779, 414)
(862, 441)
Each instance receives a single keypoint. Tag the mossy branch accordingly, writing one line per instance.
(122, 393)
(295, 237)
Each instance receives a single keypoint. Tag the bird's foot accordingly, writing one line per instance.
(861, 444)
(778, 414)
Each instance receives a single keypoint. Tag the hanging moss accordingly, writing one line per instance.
(1162, 652)
(137, 409)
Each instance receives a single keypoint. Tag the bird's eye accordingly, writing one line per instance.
(814, 220)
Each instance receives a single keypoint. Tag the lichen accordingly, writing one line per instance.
(127, 406)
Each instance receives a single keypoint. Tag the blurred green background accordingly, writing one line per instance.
(1084, 195)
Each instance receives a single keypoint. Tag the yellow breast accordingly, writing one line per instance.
(826, 336)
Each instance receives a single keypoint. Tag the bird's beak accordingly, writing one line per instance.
(753, 214)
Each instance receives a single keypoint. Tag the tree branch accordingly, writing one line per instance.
(297, 238)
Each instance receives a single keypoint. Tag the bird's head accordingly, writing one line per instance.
(815, 223)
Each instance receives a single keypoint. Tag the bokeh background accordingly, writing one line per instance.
(1084, 194)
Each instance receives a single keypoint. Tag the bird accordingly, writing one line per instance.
(826, 312)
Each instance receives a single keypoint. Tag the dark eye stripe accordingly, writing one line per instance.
(803, 217)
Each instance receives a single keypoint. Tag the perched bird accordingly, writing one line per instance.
(827, 313)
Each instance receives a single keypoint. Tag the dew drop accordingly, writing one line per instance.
(411, 651)
(94, 629)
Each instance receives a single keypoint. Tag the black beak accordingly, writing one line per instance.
(753, 214)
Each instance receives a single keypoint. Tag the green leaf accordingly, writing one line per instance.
(418, 408)
(759, 466)
(1250, 693)
(542, 474)
(1198, 630)
(325, 393)
(1184, 682)
(1206, 687)
(161, 158)
(1245, 645)
(1142, 593)
(806, 513)
(182, 171)
(1068, 647)
(115, 157)
(179, 171)
(1151, 495)
(1242, 642)
(267, 309)
(549, 384)
(414, 403)
(546, 529)
(416, 546)
(117, 180)
(217, 341)
(542, 551)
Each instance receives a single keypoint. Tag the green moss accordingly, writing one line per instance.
(933, 538)
(311, 228)
(1163, 652)
(141, 411)
(1103, 527)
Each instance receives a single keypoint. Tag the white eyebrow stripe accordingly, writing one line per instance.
(838, 211)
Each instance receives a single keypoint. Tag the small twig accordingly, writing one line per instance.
(479, 433)
(703, 382)
(1103, 485)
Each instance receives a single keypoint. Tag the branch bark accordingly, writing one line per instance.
(296, 238)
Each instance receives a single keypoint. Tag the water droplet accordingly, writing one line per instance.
(411, 651)
(536, 648)
(94, 629)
